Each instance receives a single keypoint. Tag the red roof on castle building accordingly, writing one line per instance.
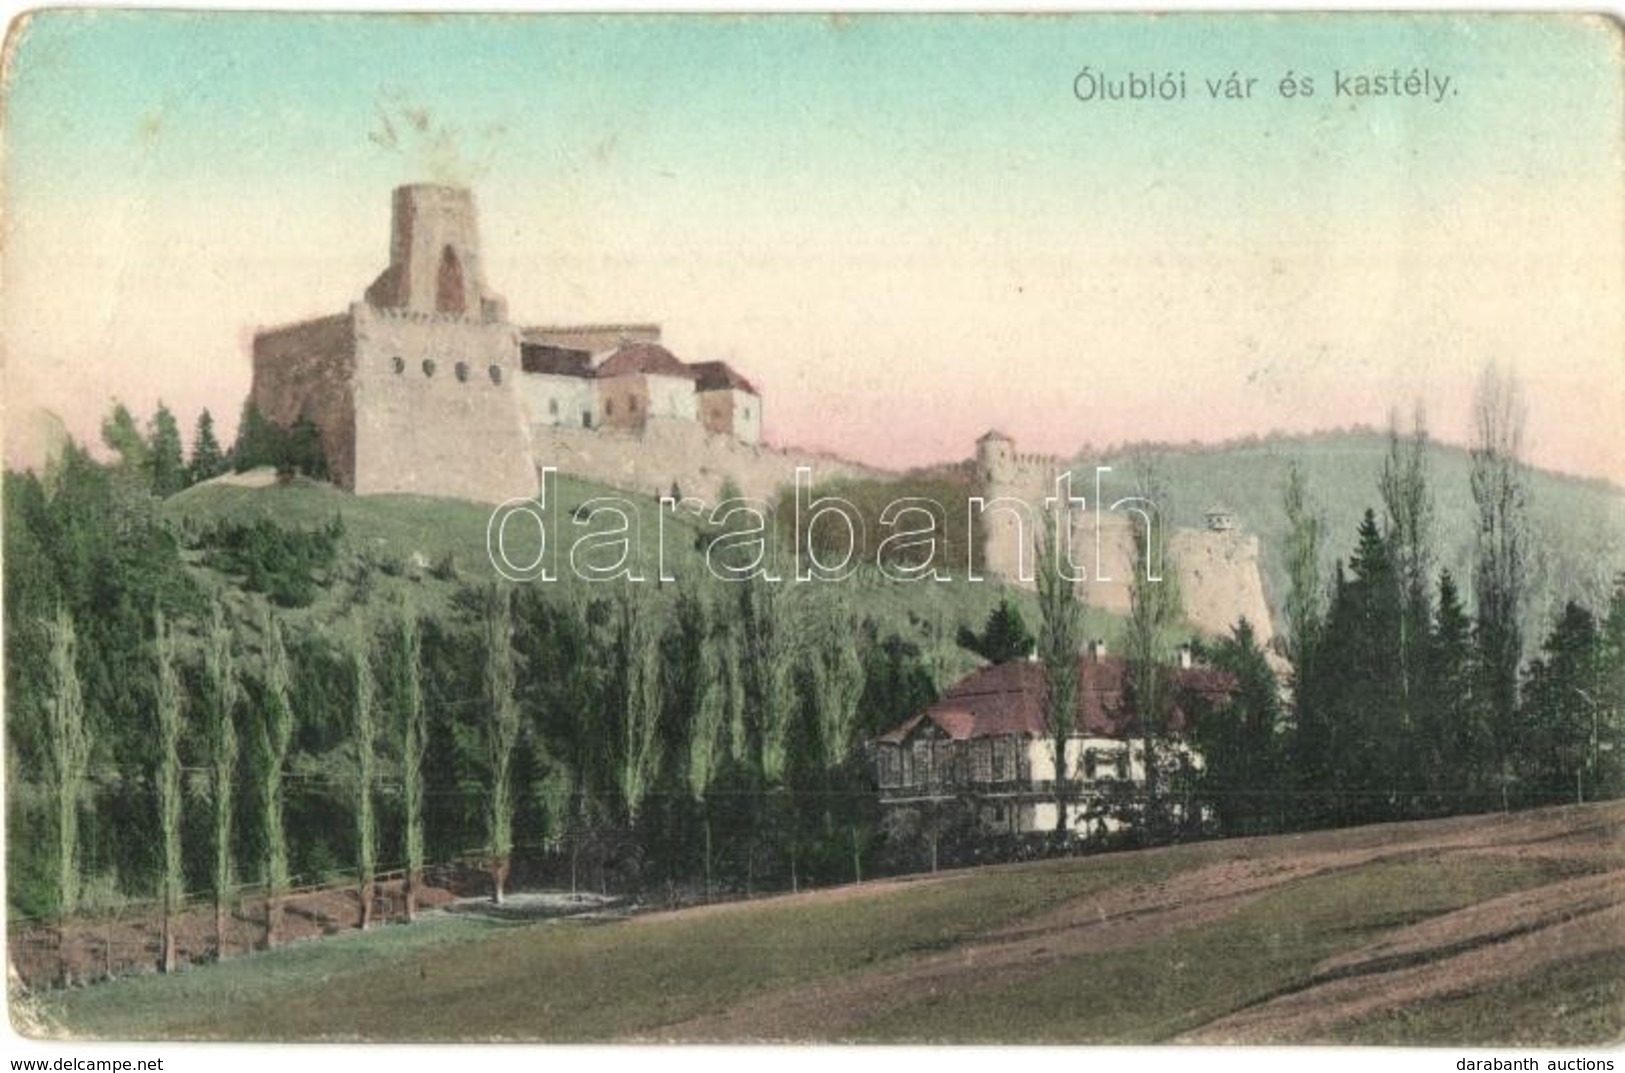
(643, 358)
(554, 360)
(1008, 699)
(719, 375)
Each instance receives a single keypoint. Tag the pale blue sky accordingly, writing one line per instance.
(841, 204)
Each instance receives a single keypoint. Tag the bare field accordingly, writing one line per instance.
(1485, 929)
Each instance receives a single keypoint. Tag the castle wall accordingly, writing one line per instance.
(682, 453)
(421, 429)
(592, 337)
(304, 370)
(1219, 571)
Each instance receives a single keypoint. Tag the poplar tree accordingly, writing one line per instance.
(1059, 636)
(501, 732)
(638, 700)
(720, 702)
(69, 742)
(276, 734)
(222, 694)
(835, 674)
(1155, 608)
(413, 729)
(1408, 527)
(1500, 561)
(167, 706)
(366, 763)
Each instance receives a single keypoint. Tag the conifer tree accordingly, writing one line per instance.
(166, 459)
(208, 460)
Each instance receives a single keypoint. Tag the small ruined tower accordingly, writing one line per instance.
(434, 257)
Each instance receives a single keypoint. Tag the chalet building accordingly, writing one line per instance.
(982, 752)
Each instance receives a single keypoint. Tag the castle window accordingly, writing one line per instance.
(448, 297)
(495, 372)
(398, 363)
(609, 407)
(553, 407)
(428, 366)
(586, 419)
(462, 372)
(632, 404)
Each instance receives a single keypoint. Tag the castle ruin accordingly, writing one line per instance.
(426, 387)
(1217, 567)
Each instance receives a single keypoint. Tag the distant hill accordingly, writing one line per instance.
(1578, 524)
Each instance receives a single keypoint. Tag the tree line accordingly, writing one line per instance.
(1407, 697)
(173, 736)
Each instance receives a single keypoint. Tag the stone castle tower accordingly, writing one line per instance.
(413, 387)
(1218, 567)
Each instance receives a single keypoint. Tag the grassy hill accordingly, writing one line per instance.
(1578, 524)
(1486, 929)
(397, 547)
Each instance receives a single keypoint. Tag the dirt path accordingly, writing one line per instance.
(1453, 954)
(1521, 932)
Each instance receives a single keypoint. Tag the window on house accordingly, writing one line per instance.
(553, 407)
(428, 366)
(981, 758)
(495, 373)
(1122, 764)
(632, 405)
(1004, 760)
(609, 407)
(586, 419)
(398, 363)
(922, 762)
(1091, 764)
(462, 372)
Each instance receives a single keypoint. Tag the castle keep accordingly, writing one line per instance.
(426, 387)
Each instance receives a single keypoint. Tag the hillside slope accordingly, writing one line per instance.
(1578, 526)
(1483, 929)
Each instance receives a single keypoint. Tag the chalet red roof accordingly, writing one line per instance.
(1008, 699)
(719, 375)
(645, 358)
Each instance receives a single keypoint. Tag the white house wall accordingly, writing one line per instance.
(557, 401)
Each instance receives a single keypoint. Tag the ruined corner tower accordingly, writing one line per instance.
(412, 387)
(434, 257)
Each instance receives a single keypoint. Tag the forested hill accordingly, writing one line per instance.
(1578, 525)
